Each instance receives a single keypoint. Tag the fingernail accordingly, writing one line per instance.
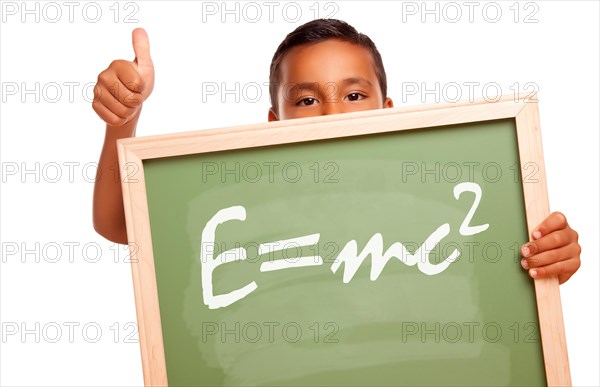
(524, 263)
(525, 250)
(537, 235)
(533, 273)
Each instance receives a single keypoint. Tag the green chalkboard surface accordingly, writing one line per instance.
(397, 261)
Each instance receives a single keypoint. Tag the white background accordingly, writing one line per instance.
(58, 285)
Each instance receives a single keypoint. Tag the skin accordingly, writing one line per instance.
(118, 96)
(330, 77)
(314, 82)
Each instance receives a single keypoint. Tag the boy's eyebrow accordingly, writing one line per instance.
(314, 86)
(359, 80)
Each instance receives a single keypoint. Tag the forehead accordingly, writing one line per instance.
(328, 61)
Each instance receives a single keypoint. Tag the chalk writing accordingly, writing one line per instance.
(349, 255)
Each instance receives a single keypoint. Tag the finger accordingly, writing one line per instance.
(107, 116)
(564, 269)
(141, 47)
(115, 106)
(551, 256)
(127, 73)
(114, 88)
(555, 221)
(550, 241)
(121, 94)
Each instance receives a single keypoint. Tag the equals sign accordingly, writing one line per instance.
(290, 263)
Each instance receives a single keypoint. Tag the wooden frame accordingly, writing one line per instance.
(133, 151)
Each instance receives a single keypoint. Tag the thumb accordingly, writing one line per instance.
(141, 47)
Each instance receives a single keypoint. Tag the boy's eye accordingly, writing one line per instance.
(307, 101)
(355, 96)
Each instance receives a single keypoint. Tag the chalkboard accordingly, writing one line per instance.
(372, 248)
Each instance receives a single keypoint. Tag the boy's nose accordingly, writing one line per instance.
(331, 108)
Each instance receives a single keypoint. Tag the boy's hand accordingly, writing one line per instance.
(124, 86)
(554, 250)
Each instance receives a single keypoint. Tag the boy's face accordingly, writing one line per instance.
(327, 78)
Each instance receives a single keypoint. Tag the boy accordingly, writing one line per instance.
(323, 67)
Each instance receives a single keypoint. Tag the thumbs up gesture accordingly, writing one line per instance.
(124, 86)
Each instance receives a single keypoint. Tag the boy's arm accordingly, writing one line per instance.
(118, 96)
(109, 213)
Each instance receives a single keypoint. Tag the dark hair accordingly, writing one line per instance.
(317, 31)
